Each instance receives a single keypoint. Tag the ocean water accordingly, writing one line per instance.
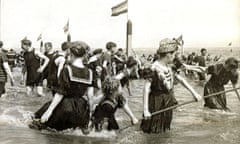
(192, 124)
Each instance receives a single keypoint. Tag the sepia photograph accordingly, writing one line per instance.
(119, 71)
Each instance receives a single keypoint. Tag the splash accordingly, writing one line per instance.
(15, 116)
(93, 133)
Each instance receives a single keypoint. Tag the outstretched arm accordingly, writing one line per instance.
(195, 68)
(56, 100)
(146, 91)
(196, 96)
(8, 71)
(236, 91)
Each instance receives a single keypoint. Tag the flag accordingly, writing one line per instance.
(66, 27)
(230, 44)
(180, 41)
(39, 37)
(120, 8)
(25, 38)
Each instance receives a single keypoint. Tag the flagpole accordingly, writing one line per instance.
(0, 19)
(129, 32)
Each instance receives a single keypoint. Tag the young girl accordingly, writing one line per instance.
(158, 89)
(113, 98)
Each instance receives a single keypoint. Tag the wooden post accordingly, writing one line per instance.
(129, 37)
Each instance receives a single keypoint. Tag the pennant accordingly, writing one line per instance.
(25, 38)
(180, 41)
(66, 27)
(120, 8)
(39, 37)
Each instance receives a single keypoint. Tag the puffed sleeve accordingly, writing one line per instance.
(234, 78)
(148, 73)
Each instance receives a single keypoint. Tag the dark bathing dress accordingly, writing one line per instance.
(32, 63)
(219, 77)
(159, 98)
(73, 111)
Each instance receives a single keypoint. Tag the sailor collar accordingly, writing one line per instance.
(81, 75)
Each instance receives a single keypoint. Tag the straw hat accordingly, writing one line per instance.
(167, 45)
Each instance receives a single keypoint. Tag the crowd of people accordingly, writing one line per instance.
(87, 85)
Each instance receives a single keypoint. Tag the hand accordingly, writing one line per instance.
(45, 117)
(197, 97)
(134, 121)
(40, 70)
(146, 114)
(99, 70)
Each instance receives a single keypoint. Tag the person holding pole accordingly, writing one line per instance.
(221, 74)
(158, 89)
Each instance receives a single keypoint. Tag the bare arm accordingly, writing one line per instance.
(47, 114)
(8, 71)
(146, 91)
(236, 91)
(196, 96)
(60, 61)
(45, 58)
(90, 94)
(195, 68)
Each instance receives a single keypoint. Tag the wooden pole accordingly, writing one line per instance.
(185, 103)
(129, 37)
(188, 102)
(0, 19)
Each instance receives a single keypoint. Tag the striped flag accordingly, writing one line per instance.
(120, 8)
(39, 37)
(66, 27)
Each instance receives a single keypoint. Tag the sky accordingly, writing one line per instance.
(203, 23)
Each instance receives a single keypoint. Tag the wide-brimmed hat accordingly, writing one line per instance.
(167, 45)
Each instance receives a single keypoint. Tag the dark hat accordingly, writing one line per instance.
(26, 42)
(1, 44)
(232, 63)
(110, 45)
(131, 62)
(65, 45)
(167, 45)
(203, 49)
(97, 51)
(78, 48)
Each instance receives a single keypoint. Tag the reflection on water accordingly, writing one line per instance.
(191, 123)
